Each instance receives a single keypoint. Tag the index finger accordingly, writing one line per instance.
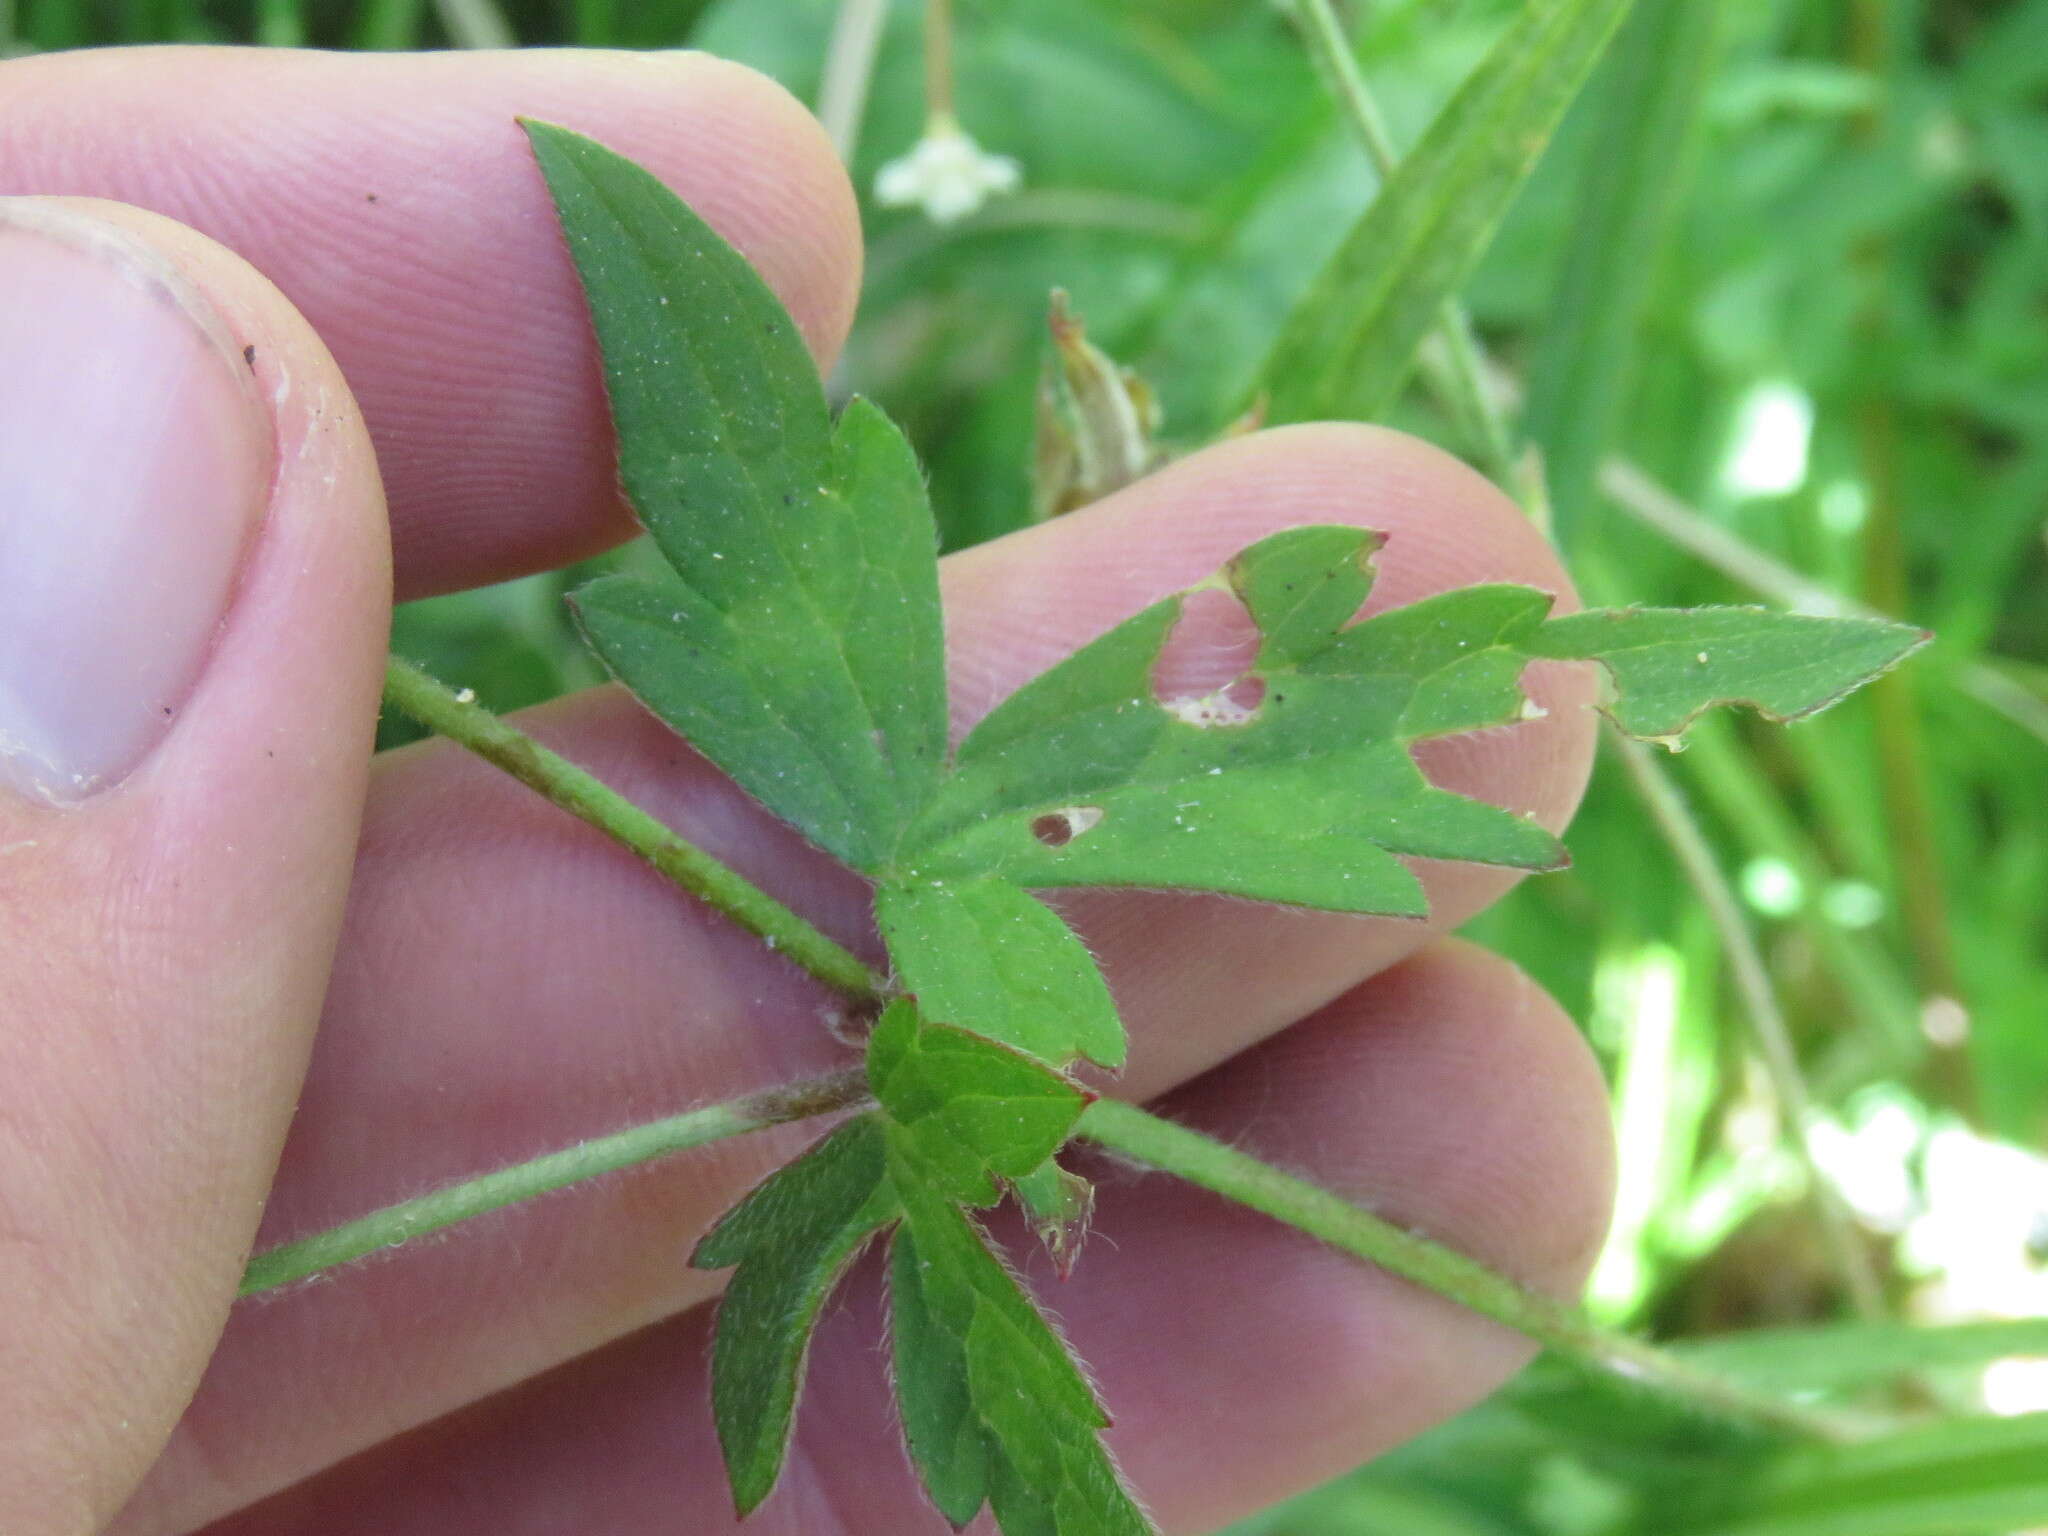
(394, 201)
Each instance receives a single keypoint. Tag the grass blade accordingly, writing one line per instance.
(1960, 1477)
(388, 26)
(1349, 345)
(1649, 97)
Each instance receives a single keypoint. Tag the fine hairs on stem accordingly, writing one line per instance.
(401, 1223)
(1122, 1128)
(460, 718)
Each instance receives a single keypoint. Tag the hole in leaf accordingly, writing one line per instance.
(1237, 704)
(1058, 828)
(1212, 646)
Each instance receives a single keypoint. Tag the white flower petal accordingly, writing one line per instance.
(946, 174)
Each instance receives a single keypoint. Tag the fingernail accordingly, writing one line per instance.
(135, 460)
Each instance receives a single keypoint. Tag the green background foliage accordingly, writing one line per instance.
(1817, 222)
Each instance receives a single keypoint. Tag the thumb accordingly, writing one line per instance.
(194, 590)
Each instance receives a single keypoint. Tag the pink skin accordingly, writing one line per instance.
(505, 982)
(91, 686)
(391, 198)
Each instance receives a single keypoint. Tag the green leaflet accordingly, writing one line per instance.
(985, 954)
(985, 1385)
(792, 1238)
(1670, 664)
(1349, 344)
(933, 1394)
(799, 644)
(1301, 589)
(1060, 1205)
(994, 1407)
(964, 1109)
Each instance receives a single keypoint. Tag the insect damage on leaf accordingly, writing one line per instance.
(1670, 665)
(799, 647)
(1292, 782)
(796, 641)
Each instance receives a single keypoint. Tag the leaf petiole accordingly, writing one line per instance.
(460, 718)
(1146, 1138)
(409, 1219)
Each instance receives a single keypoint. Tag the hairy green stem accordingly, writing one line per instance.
(409, 1219)
(1120, 1127)
(1766, 1020)
(1146, 1138)
(1470, 396)
(460, 718)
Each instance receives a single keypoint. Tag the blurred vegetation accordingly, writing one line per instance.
(1778, 292)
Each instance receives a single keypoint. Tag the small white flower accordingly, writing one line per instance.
(947, 174)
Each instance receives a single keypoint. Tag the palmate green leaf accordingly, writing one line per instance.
(989, 956)
(1295, 784)
(965, 1110)
(792, 1238)
(799, 644)
(990, 1398)
(1349, 344)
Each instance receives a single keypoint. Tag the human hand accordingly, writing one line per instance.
(497, 980)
